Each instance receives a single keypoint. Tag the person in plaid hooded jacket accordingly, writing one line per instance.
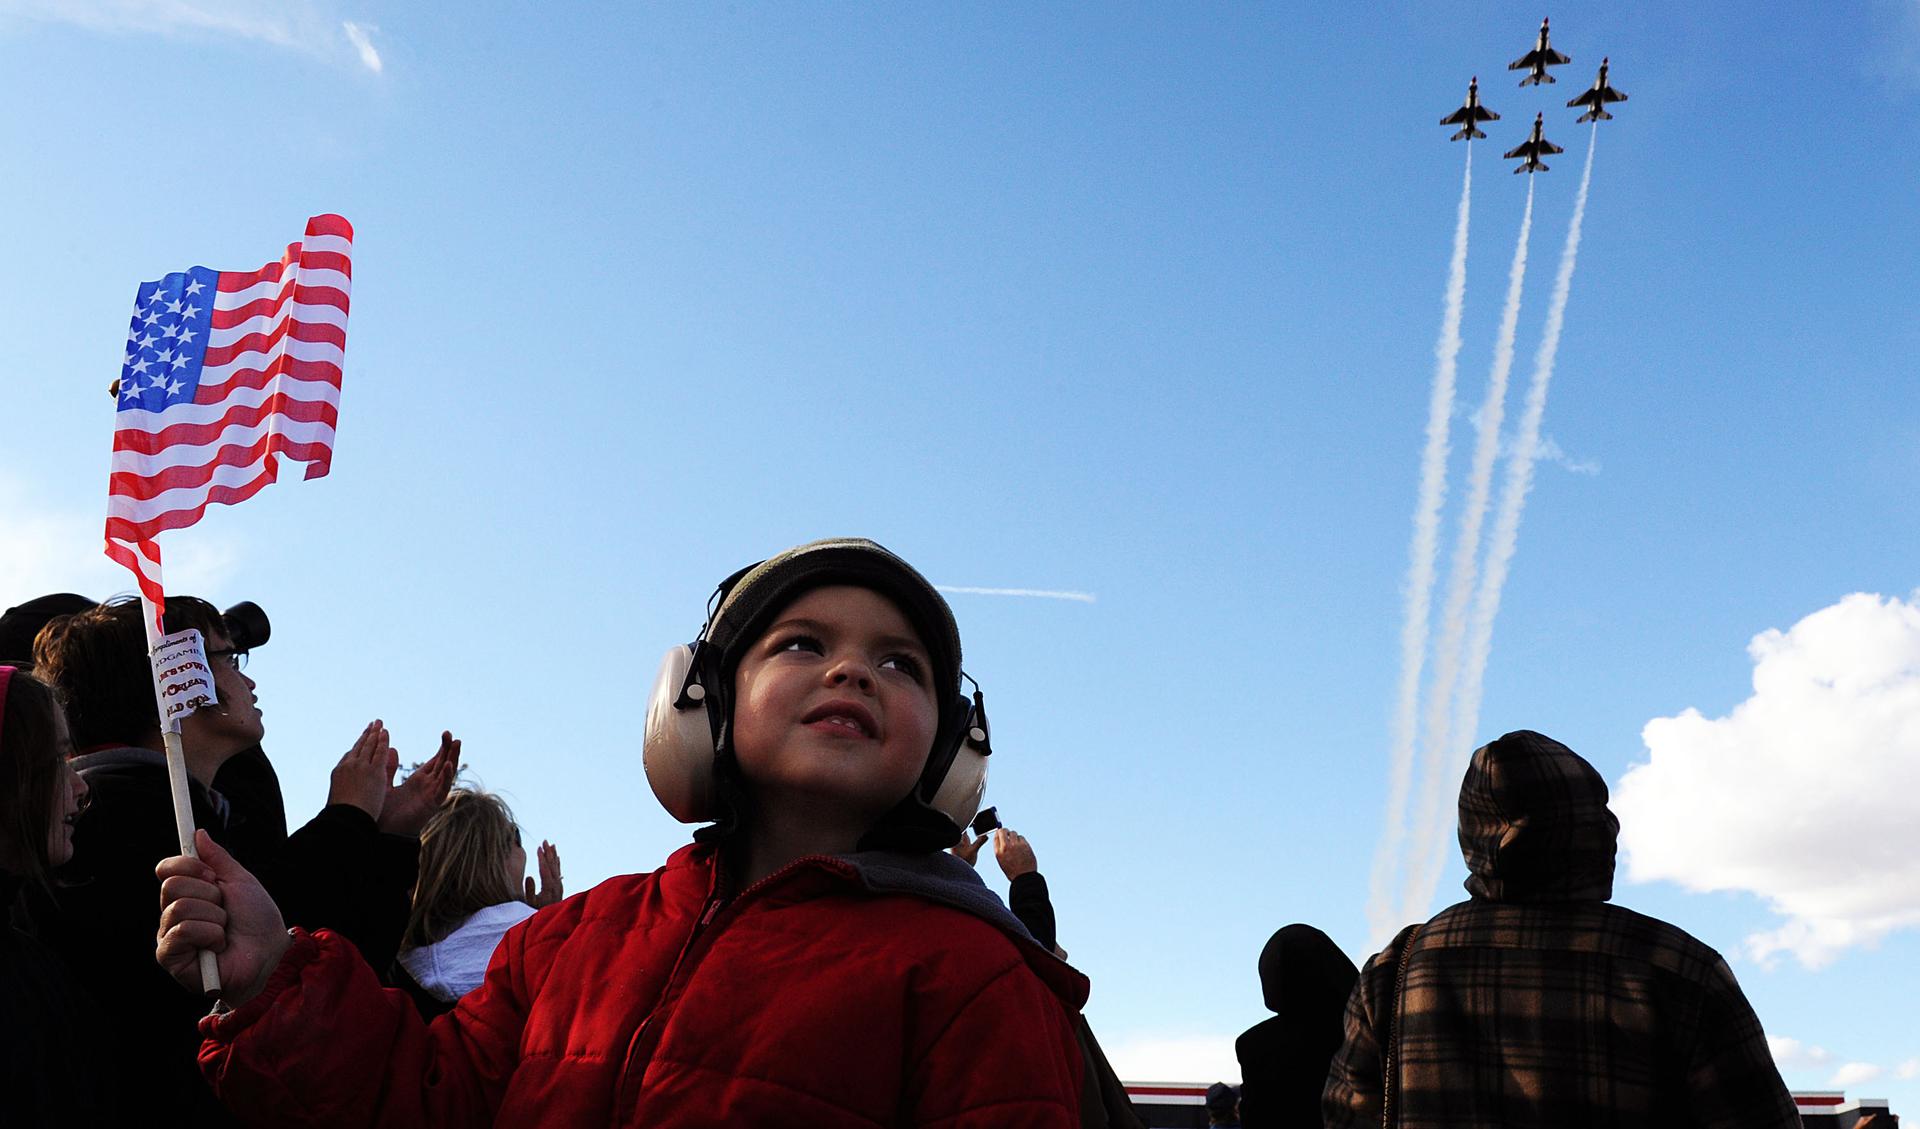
(1537, 1004)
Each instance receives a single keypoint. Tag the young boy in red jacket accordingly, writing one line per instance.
(814, 958)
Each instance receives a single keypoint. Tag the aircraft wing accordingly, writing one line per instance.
(1547, 58)
(1586, 98)
(1612, 95)
(1548, 147)
(1467, 115)
(1524, 149)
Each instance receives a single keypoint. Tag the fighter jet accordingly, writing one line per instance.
(1536, 61)
(1468, 117)
(1594, 100)
(1533, 148)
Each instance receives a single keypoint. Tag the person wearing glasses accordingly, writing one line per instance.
(347, 869)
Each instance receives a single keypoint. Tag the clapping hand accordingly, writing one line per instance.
(550, 890)
(412, 802)
(362, 775)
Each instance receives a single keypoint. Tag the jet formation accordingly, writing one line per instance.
(1535, 62)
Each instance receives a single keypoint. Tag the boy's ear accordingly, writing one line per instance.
(678, 748)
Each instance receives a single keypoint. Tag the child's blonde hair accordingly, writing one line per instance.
(463, 865)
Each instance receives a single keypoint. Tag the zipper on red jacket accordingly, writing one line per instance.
(640, 1048)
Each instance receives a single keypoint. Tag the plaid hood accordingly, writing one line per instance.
(1534, 824)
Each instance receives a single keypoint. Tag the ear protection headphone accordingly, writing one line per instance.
(685, 718)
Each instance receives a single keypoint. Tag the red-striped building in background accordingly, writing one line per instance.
(226, 374)
(1182, 1105)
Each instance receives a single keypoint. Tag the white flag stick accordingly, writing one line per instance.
(177, 778)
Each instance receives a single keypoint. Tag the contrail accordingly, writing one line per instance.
(1031, 593)
(1506, 524)
(1420, 569)
(1466, 547)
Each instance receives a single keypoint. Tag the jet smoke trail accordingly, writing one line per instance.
(1506, 526)
(1420, 569)
(1032, 593)
(1466, 547)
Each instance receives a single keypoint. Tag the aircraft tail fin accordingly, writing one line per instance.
(1466, 132)
(1595, 114)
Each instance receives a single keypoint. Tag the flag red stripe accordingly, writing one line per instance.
(240, 280)
(265, 307)
(179, 519)
(150, 587)
(330, 224)
(275, 272)
(198, 434)
(144, 487)
(261, 377)
(318, 332)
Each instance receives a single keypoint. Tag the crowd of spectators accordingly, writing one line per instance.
(822, 954)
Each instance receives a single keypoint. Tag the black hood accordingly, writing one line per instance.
(1534, 824)
(1305, 977)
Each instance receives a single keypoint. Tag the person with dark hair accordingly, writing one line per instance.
(21, 624)
(101, 919)
(1223, 1106)
(814, 958)
(472, 888)
(1537, 1003)
(1304, 980)
(48, 1024)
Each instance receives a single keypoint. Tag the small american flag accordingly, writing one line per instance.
(225, 373)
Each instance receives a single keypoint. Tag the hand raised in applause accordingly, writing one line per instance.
(361, 776)
(968, 848)
(213, 903)
(412, 802)
(1014, 853)
(550, 890)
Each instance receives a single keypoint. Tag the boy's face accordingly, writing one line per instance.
(834, 709)
(235, 723)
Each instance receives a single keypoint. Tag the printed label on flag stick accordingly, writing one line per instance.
(181, 677)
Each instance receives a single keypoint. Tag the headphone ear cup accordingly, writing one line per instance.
(677, 751)
(965, 786)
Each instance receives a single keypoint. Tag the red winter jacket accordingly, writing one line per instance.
(869, 990)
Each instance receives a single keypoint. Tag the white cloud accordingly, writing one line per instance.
(1030, 593)
(1792, 1054)
(1551, 452)
(357, 34)
(51, 550)
(299, 25)
(1803, 793)
(1546, 450)
(1189, 1058)
(1854, 1073)
(1908, 1069)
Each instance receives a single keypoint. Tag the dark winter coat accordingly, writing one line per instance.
(1536, 1005)
(49, 1029)
(1305, 980)
(867, 990)
(336, 871)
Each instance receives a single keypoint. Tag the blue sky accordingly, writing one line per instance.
(1138, 302)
